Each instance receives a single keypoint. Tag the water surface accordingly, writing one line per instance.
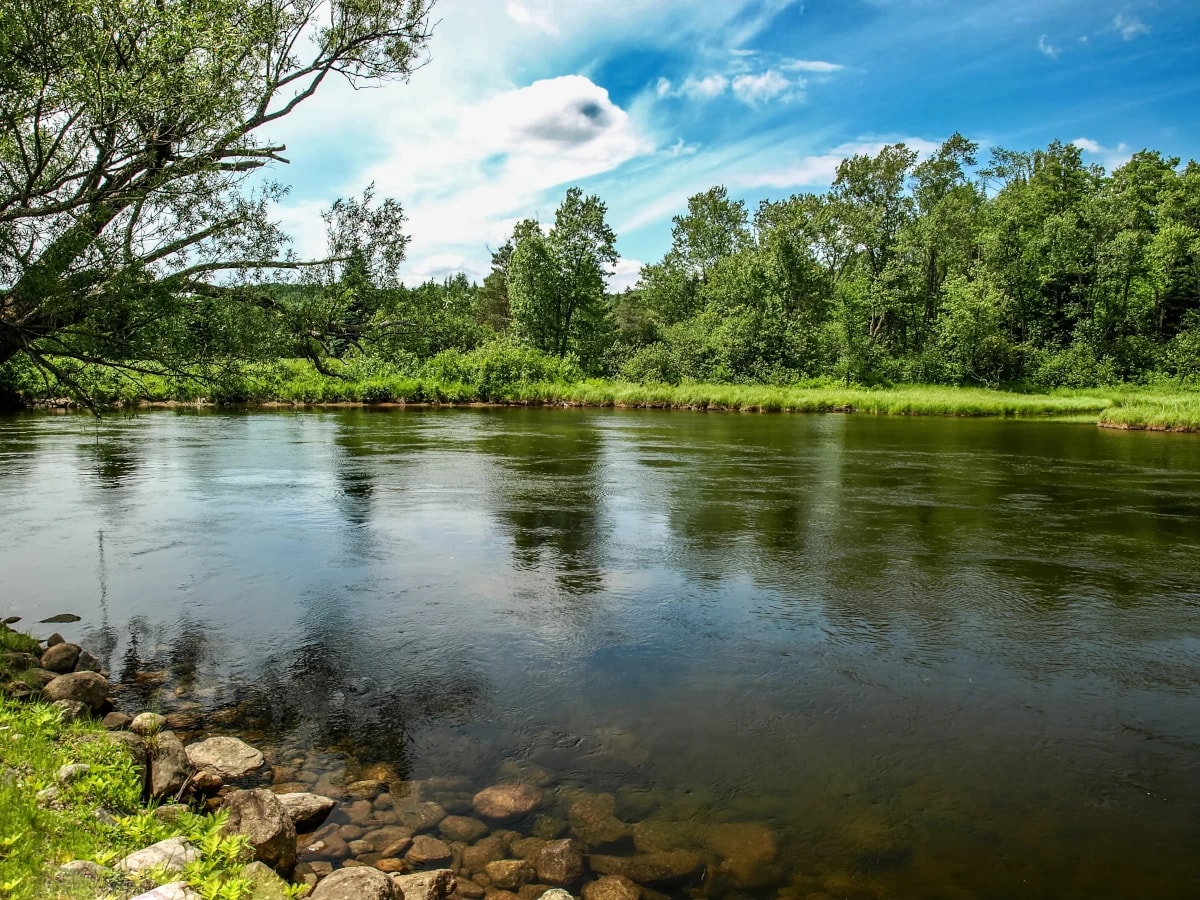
(939, 658)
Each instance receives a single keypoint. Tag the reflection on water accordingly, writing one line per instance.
(936, 658)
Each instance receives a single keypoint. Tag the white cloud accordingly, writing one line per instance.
(1047, 48)
(1109, 157)
(1129, 28)
(625, 274)
(819, 170)
(755, 90)
(710, 86)
(523, 15)
(810, 65)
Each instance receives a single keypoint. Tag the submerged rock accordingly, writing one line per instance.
(611, 887)
(462, 828)
(427, 851)
(666, 867)
(746, 851)
(509, 874)
(592, 820)
(560, 863)
(508, 801)
(436, 885)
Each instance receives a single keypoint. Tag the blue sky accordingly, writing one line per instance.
(647, 102)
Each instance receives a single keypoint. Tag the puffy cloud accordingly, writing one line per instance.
(1109, 157)
(755, 90)
(625, 274)
(523, 15)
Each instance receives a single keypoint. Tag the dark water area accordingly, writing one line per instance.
(935, 658)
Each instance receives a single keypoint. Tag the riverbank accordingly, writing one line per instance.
(1174, 407)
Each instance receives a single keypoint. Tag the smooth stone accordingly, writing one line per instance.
(71, 710)
(356, 883)
(438, 884)
(360, 812)
(419, 815)
(368, 789)
(230, 758)
(593, 821)
(509, 874)
(169, 767)
(508, 801)
(611, 887)
(491, 848)
(260, 816)
(148, 723)
(207, 781)
(172, 855)
(469, 890)
(462, 828)
(61, 658)
(666, 867)
(560, 863)
(176, 890)
(73, 772)
(393, 865)
(89, 688)
(116, 721)
(427, 850)
(306, 810)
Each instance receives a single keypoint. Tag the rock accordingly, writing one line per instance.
(533, 891)
(592, 820)
(436, 885)
(321, 869)
(665, 867)
(267, 885)
(16, 661)
(176, 890)
(508, 801)
(462, 828)
(73, 772)
(556, 894)
(526, 848)
(61, 658)
(360, 812)
(491, 848)
(207, 781)
(54, 639)
(654, 835)
(560, 863)
(116, 721)
(611, 887)
(358, 883)
(46, 796)
(169, 767)
(87, 663)
(427, 851)
(148, 723)
(231, 759)
(89, 688)
(397, 847)
(509, 874)
(306, 811)
(548, 827)
(42, 676)
(469, 890)
(72, 710)
(106, 818)
(170, 812)
(417, 815)
(260, 816)
(367, 789)
(393, 865)
(172, 855)
(746, 850)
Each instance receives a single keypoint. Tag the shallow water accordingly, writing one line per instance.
(939, 658)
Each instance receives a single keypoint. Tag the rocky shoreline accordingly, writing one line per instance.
(386, 838)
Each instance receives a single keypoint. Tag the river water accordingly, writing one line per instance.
(935, 658)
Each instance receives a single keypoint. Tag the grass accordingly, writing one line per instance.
(38, 837)
(368, 381)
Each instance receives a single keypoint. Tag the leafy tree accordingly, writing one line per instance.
(129, 130)
(492, 307)
(556, 280)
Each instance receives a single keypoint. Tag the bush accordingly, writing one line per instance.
(494, 370)
(654, 364)
(1076, 366)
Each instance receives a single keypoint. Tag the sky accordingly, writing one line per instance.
(647, 102)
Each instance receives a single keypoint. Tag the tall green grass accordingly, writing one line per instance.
(1156, 411)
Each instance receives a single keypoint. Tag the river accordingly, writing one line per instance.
(933, 658)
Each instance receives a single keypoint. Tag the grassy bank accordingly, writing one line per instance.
(296, 382)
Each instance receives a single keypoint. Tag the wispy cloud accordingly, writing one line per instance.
(1047, 48)
(810, 65)
(1109, 157)
(1129, 27)
(755, 90)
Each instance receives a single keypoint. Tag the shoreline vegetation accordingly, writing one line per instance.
(296, 383)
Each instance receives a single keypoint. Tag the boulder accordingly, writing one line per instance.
(169, 767)
(358, 883)
(87, 663)
(148, 723)
(42, 676)
(229, 758)
(89, 688)
(260, 816)
(560, 863)
(116, 721)
(71, 710)
(510, 874)
(436, 885)
(508, 801)
(306, 811)
(61, 658)
(665, 867)
(172, 855)
(611, 887)
(462, 828)
(427, 851)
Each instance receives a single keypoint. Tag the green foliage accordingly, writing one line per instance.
(490, 372)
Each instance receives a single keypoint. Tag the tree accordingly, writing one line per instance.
(556, 280)
(492, 300)
(129, 132)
